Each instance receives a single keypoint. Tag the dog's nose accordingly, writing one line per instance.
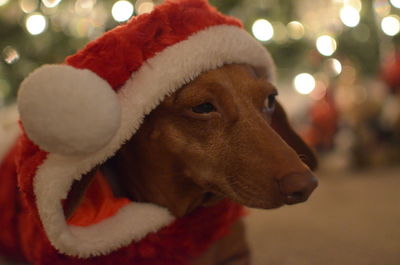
(297, 187)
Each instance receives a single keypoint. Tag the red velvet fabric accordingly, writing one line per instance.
(121, 51)
(23, 236)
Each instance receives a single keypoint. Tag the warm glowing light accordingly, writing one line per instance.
(263, 30)
(335, 66)
(295, 30)
(395, 3)
(3, 2)
(350, 16)
(36, 24)
(382, 7)
(357, 4)
(304, 83)
(28, 6)
(146, 7)
(390, 25)
(326, 45)
(122, 10)
(51, 3)
(10, 55)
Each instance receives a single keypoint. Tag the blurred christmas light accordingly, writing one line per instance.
(382, 7)
(390, 25)
(295, 30)
(36, 24)
(51, 3)
(28, 6)
(84, 7)
(122, 10)
(350, 16)
(335, 66)
(10, 55)
(144, 6)
(326, 45)
(3, 2)
(304, 83)
(395, 3)
(357, 4)
(263, 30)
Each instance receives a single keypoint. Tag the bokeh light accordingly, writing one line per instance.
(144, 6)
(335, 66)
(28, 6)
(10, 55)
(122, 11)
(357, 4)
(350, 16)
(382, 7)
(3, 2)
(395, 3)
(263, 30)
(36, 24)
(326, 45)
(295, 30)
(51, 3)
(304, 83)
(390, 25)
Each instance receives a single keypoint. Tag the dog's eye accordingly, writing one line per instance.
(204, 108)
(270, 102)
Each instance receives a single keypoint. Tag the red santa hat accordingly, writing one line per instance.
(81, 112)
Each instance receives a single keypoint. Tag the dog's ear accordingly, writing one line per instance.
(281, 125)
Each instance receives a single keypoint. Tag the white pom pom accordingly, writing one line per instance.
(68, 111)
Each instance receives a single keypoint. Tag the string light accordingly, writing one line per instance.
(122, 10)
(390, 25)
(295, 30)
(28, 6)
(395, 3)
(335, 66)
(263, 30)
(10, 55)
(350, 16)
(304, 83)
(144, 6)
(36, 24)
(3, 2)
(357, 4)
(326, 45)
(382, 7)
(51, 3)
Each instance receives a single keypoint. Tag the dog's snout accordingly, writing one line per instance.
(297, 188)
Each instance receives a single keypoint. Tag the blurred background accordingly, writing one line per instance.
(338, 63)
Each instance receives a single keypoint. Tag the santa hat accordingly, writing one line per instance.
(80, 113)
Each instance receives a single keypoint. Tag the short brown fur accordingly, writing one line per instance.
(243, 151)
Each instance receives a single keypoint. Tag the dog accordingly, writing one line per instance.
(171, 193)
(224, 135)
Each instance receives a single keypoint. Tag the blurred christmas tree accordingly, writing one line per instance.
(314, 36)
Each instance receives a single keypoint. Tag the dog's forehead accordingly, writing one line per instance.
(228, 74)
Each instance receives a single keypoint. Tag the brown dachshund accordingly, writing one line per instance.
(221, 136)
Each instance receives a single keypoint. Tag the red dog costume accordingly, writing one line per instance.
(77, 115)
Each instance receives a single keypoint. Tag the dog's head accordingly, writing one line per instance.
(227, 133)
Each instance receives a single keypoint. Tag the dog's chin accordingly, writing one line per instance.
(260, 204)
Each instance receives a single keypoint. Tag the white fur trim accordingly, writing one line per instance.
(9, 129)
(68, 111)
(159, 76)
